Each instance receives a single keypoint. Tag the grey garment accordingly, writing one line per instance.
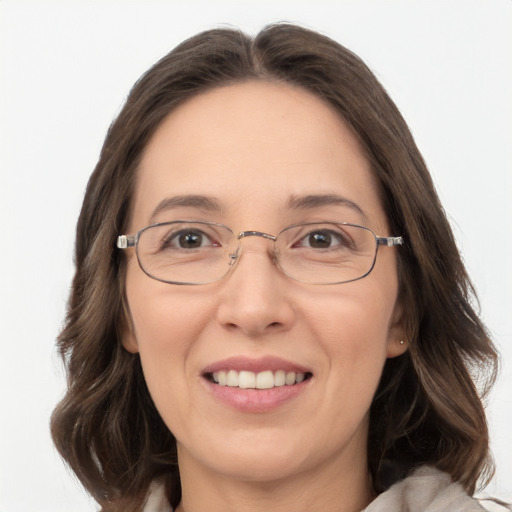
(426, 490)
(156, 501)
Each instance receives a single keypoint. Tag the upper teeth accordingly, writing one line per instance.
(261, 380)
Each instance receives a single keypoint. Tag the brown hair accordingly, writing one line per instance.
(428, 408)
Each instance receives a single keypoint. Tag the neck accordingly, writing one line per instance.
(328, 488)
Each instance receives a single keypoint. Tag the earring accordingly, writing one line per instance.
(402, 342)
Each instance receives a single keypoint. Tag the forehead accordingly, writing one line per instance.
(254, 146)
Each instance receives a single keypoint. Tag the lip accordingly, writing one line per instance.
(260, 364)
(255, 400)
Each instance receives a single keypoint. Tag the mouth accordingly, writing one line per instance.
(256, 385)
(267, 379)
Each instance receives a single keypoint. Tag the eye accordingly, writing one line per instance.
(188, 239)
(323, 239)
(319, 240)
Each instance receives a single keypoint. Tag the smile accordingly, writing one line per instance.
(256, 385)
(262, 380)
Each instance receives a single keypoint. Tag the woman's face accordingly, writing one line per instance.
(256, 151)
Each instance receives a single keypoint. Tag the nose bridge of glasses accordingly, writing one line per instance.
(245, 234)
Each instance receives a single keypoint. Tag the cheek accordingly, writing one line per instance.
(166, 321)
(352, 330)
(161, 312)
(167, 326)
(353, 320)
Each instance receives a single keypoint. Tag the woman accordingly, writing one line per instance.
(269, 310)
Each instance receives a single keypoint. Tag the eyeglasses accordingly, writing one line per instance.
(197, 252)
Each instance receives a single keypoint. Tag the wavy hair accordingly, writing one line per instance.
(428, 407)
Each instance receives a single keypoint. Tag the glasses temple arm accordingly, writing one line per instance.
(125, 241)
(390, 241)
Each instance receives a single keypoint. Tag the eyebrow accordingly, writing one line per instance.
(212, 205)
(311, 201)
(207, 203)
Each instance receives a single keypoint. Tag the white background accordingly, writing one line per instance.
(66, 68)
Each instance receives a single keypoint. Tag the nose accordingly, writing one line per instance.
(255, 297)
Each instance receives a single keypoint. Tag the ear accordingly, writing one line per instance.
(129, 341)
(397, 342)
(128, 338)
(396, 347)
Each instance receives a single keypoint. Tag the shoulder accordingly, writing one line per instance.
(427, 490)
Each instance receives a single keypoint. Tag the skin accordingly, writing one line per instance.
(252, 146)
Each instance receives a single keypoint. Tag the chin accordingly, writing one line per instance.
(257, 456)
(262, 469)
